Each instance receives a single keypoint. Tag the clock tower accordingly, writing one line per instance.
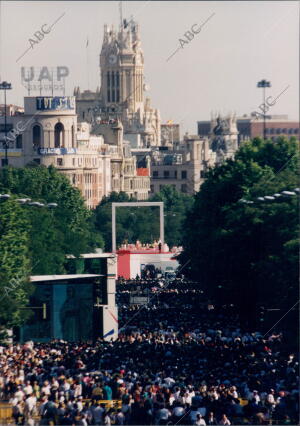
(122, 68)
(121, 94)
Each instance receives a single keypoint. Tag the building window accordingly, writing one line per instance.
(73, 136)
(278, 131)
(19, 142)
(291, 131)
(296, 131)
(59, 161)
(202, 174)
(113, 79)
(36, 136)
(284, 131)
(155, 173)
(166, 173)
(175, 174)
(184, 187)
(272, 131)
(58, 135)
(37, 160)
(183, 174)
(161, 187)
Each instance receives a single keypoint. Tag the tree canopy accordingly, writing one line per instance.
(15, 265)
(67, 229)
(142, 223)
(246, 253)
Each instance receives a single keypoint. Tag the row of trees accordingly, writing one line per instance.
(142, 223)
(241, 253)
(247, 253)
(35, 241)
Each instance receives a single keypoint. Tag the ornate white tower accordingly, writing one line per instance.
(122, 68)
(122, 87)
(122, 82)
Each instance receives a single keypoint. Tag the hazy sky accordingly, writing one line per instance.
(242, 43)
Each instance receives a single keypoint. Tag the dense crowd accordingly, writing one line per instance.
(178, 360)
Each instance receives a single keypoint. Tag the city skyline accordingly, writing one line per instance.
(175, 87)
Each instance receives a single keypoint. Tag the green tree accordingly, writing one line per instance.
(67, 229)
(124, 221)
(246, 253)
(176, 206)
(14, 265)
(142, 223)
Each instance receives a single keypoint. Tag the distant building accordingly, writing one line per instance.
(250, 126)
(223, 137)
(11, 110)
(182, 167)
(121, 95)
(126, 175)
(48, 134)
(170, 134)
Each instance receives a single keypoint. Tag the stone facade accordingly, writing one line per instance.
(125, 174)
(223, 137)
(121, 95)
(182, 166)
(250, 127)
(50, 135)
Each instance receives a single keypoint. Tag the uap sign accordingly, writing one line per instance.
(46, 78)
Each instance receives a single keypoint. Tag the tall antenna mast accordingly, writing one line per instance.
(121, 14)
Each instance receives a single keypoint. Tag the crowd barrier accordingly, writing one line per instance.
(6, 413)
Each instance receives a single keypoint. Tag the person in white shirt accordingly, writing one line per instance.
(79, 404)
(169, 381)
(46, 389)
(256, 397)
(120, 418)
(163, 415)
(224, 420)
(28, 388)
(178, 412)
(199, 421)
(270, 397)
(30, 405)
(19, 394)
(193, 415)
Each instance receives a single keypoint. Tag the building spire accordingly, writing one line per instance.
(121, 15)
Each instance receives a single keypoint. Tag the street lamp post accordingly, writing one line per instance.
(5, 86)
(264, 84)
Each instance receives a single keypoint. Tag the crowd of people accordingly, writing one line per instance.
(177, 360)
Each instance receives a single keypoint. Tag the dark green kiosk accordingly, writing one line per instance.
(77, 306)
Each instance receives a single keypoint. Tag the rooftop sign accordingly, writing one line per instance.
(47, 103)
